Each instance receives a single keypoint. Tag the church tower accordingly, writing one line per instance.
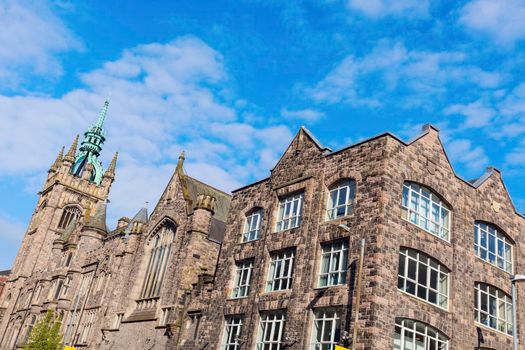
(75, 187)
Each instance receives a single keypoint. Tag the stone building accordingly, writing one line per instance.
(278, 264)
(113, 289)
(438, 256)
(3, 278)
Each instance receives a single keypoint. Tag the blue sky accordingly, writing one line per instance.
(230, 82)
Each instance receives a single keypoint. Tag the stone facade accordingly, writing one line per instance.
(3, 278)
(108, 302)
(380, 166)
(95, 278)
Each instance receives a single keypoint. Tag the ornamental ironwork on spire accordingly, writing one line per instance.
(90, 148)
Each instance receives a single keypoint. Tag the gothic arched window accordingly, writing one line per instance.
(159, 252)
(69, 214)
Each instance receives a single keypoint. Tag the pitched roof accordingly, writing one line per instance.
(98, 220)
(196, 187)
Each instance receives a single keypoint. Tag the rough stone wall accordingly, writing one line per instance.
(306, 170)
(380, 166)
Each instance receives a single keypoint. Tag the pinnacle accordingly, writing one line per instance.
(58, 160)
(70, 156)
(180, 163)
(112, 166)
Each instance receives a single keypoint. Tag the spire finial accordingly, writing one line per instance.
(70, 156)
(57, 162)
(112, 166)
(180, 162)
(102, 115)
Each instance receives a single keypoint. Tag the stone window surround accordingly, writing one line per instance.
(142, 301)
(441, 266)
(345, 248)
(276, 319)
(349, 203)
(506, 238)
(443, 203)
(302, 185)
(76, 212)
(243, 268)
(246, 230)
(507, 303)
(228, 340)
(400, 323)
(337, 317)
(295, 203)
(288, 254)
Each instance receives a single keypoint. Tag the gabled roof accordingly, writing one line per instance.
(222, 199)
(475, 183)
(315, 140)
(98, 220)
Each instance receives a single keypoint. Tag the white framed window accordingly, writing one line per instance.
(164, 316)
(232, 333)
(69, 214)
(271, 330)
(491, 245)
(334, 264)
(118, 320)
(414, 335)
(326, 330)
(159, 253)
(425, 209)
(243, 277)
(290, 209)
(340, 199)
(252, 225)
(493, 308)
(280, 271)
(423, 277)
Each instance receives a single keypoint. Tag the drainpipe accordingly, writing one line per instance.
(358, 292)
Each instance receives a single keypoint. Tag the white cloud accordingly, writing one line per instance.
(472, 157)
(164, 98)
(391, 68)
(306, 115)
(477, 113)
(502, 19)
(30, 38)
(383, 8)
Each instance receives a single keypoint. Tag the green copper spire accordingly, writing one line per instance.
(90, 148)
(102, 116)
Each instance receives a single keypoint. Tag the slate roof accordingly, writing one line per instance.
(222, 204)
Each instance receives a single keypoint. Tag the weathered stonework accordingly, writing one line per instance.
(107, 272)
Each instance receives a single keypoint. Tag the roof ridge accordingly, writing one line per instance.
(210, 186)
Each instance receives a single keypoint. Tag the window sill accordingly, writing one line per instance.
(237, 298)
(335, 287)
(447, 241)
(248, 242)
(478, 324)
(486, 262)
(337, 220)
(422, 300)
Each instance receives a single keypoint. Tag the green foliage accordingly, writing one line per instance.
(46, 334)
